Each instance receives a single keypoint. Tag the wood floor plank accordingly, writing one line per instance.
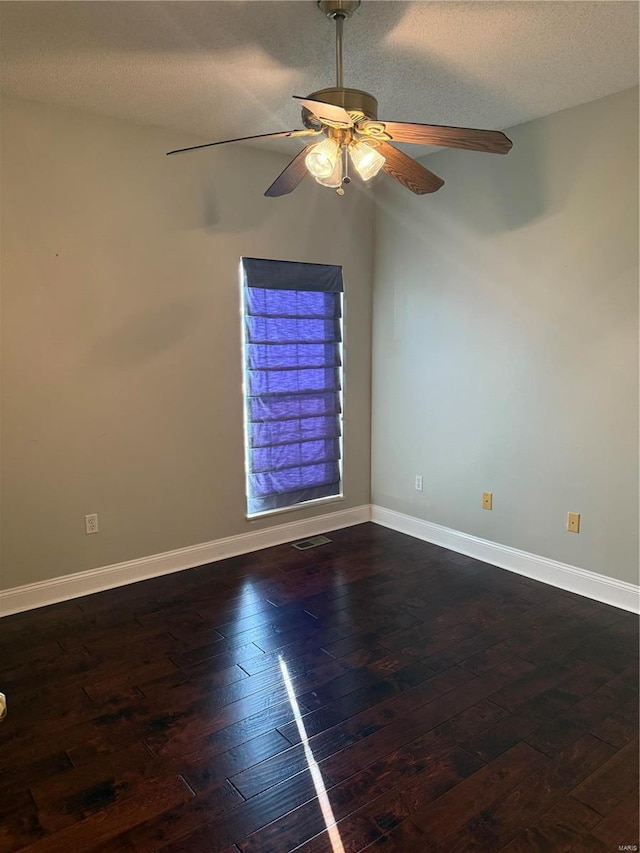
(500, 822)
(100, 826)
(438, 771)
(448, 705)
(247, 758)
(535, 682)
(504, 734)
(620, 827)
(611, 782)
(189, 826)
(553, 735)
(197, 735)
(405, 838)
(343, 737)
(350, 705)
(447, 814)
(420, 725)
(375, 817)
(19, 821)
(621, 727)
(97, 788)
(556, 830)
(23, 774)
(102, 688)
(107, 731)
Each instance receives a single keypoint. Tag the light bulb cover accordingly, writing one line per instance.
(367, 160)
(321, 159)
(334, 180)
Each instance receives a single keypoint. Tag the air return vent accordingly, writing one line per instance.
(311, 543)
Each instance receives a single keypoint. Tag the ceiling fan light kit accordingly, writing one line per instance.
(366, 159)
(321, 159)
(347, 119)
(335, 179)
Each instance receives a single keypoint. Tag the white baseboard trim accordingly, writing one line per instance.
(107, 577)
(570, 578)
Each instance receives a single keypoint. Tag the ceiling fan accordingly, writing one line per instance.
(347, 119)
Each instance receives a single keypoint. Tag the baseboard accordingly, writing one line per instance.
(570, 578)
(107, 577)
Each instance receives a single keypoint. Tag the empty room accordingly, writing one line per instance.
(319, 434)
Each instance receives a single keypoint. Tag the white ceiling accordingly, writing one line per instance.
(224, 69)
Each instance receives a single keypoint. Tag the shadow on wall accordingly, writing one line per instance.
(227, 196)
(217, 191)
(147, 335)
(222, 191)
(498, 193)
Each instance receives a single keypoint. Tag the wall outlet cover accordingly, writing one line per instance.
(91, 523)
(573, 522)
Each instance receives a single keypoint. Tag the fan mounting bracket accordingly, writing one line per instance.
(338, 8)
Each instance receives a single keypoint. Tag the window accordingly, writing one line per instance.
(292, 382)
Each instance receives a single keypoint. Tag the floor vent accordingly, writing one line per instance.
(311, 543)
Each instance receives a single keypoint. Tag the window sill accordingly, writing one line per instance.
(332, 499)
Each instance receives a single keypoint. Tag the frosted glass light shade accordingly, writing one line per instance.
(366, 159)
(321, 160)
(334, 180)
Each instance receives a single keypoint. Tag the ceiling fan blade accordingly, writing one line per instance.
(492, 141)
(290, 177)
(407, 171)
(279, 135)
(325, 112)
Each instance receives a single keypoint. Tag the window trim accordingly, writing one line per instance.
(330, 499)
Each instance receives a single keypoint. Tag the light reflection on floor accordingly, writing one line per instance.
(316, 775)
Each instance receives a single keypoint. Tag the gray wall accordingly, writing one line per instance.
(506, 337)
(121, 335)
(506, 340)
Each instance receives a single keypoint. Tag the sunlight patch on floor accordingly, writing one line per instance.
(316, 775)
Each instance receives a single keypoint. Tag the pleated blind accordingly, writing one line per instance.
(292, 348)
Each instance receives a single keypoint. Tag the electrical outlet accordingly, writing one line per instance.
(91, 523)
(573, 522)
(418, 482)
(487, 500)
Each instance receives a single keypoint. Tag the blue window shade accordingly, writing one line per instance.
(292, 335)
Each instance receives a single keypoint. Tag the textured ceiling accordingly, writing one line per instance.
(225, 69)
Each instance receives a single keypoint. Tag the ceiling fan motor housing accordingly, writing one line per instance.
(352, 100)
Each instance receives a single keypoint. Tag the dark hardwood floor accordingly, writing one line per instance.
(444, 705)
